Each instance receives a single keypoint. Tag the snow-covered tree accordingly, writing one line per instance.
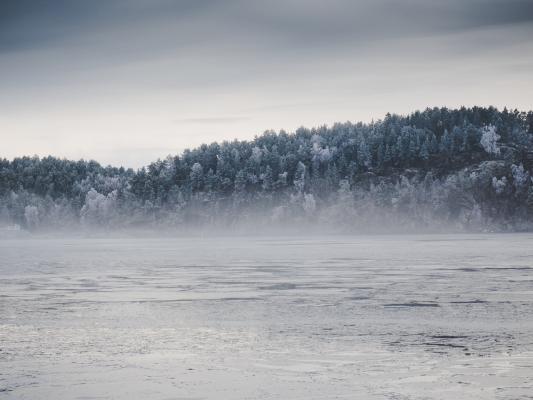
(197, 176)
(299, 178)
(489, 140)
(520, 176)
(499, 185)
(98, 208)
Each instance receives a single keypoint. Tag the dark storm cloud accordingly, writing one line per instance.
(282, 23)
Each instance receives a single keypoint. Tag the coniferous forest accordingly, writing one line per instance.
(439, 169)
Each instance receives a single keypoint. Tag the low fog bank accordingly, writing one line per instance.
(303, 216)
(242, 231)
(470, 200)
(440, 170)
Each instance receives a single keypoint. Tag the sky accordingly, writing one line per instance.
(126, 82)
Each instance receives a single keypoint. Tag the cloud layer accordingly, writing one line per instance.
(127, 81)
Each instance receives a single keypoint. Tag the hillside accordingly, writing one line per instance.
(438, 169)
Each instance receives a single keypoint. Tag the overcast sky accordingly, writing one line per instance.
(129, 81)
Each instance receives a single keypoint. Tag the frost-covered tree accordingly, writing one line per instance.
(267, 179)
(489, 140)
(521, 177)
(197, 176)
(300, 177)
(499, 185)
(446, 143)
(98, 208)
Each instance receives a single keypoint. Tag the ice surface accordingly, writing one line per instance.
(380, 317)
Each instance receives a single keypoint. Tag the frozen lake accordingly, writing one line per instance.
(382, 317)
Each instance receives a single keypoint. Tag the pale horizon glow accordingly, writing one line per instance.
(127, 82)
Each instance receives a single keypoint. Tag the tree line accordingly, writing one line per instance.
(465, 169)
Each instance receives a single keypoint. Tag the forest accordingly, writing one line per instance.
(467, 169)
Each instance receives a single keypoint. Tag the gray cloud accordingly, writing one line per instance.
(102, 76)
(282, 23)
(32, 23)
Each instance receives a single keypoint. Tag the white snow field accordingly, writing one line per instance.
(339, 317)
